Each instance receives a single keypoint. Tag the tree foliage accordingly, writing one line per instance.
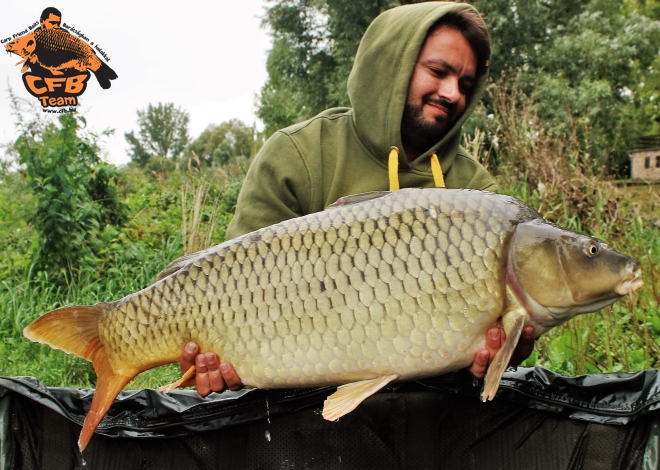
(314, 43)
(75, 198)
(162, 132)
(217, 144)
(593, 63)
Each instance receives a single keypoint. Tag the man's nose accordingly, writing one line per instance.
(449, 89)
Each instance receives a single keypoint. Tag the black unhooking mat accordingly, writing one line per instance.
(539, 420)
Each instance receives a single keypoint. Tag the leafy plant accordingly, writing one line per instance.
(73, 190)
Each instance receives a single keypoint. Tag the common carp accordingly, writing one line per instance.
(378, 287)
(58, 51)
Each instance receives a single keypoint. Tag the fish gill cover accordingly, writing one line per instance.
(57, 60)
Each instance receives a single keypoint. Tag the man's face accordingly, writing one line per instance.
(53, 21)
(442, 79)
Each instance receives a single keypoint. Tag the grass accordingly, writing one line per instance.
(150, 240)
(554, 175)
(25, 301)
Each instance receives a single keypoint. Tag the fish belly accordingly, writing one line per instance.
(402, 284)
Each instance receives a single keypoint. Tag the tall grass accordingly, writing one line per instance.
(23, 301)
(552, 173)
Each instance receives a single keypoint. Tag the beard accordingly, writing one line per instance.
(420, 132)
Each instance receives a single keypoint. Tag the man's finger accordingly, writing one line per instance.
(230, 376)
(525, 346)
(187, 360)
(480, 364)
(216, 383)
(202, 376)
(495, 336)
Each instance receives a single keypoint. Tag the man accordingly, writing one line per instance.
(419, 72)
(50, 18)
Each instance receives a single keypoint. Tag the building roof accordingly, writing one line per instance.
(648, 142)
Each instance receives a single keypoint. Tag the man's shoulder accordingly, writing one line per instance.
(304, 138)
(466, 157)
(332, 116)
(468, 172)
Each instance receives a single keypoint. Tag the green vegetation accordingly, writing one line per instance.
(573, 83)
(556, 177)
(76, 230)
(162, 134)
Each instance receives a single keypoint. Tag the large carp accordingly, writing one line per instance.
(378, 287)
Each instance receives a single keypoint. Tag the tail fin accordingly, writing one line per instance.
(104, 74)
(75, 330)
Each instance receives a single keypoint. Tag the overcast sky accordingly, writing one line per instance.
(208, 57)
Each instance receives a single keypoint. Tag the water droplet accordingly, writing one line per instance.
(267, 434)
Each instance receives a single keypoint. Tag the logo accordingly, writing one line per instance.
(58, 61)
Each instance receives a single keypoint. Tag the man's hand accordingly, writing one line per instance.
(495, 336)
(211, 375)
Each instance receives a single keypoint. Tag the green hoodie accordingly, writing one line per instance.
(343, 151)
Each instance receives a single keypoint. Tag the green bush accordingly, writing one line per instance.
(74, 195)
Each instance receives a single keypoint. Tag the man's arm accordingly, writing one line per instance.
(277, 187)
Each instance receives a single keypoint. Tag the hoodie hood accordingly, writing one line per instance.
(378, 83)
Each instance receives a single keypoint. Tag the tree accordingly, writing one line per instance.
(219, 143)
(163, 132)
(314, 44)
(594, 75)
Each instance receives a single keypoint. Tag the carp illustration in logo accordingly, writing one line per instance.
(59, 62)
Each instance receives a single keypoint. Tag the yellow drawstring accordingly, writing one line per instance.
(436, 169)
(393, 170)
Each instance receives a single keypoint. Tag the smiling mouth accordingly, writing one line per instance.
(443, 109)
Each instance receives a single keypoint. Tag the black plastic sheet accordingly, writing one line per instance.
(603, 398)
(435, 423)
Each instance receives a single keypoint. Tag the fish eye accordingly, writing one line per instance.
(591, 248)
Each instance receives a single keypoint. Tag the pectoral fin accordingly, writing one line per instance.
(514, 321)
(349, 396)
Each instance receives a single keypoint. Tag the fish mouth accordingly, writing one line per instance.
(631, 283)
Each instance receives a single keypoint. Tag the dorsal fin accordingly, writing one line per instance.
(185, 260)
(175, 265)
(357, 198)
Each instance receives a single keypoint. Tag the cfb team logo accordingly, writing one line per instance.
(59, 62)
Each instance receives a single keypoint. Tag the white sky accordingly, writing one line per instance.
(208, 57)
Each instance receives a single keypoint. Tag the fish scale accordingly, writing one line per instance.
(378, 287)
(331, 286)
(56, 43)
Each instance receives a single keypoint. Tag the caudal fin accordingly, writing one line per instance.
(104, 74)
(75, 330)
